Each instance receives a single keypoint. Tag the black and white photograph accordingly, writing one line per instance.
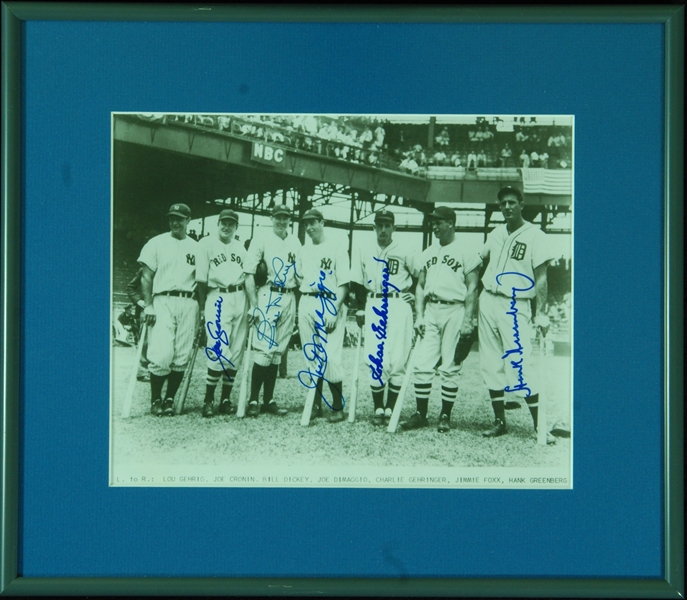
(342, 301)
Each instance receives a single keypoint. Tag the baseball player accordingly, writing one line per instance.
(135, 294)
(382, 276)
(323, 270)
(272, 307)
(221, 292)
(168, 284)
(514, 284)
(445, 305)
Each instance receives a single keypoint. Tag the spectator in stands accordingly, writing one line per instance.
(481, 159)
(544, 160)
(440, 158)
(455, 159)
(472, 135)
(506, 155)
(521, 137)
(487, 134)
(126, 327)
(472, 160)
(409, 165)
(379, 137)
(534, 159)
(224, 122)
(443, 138)
(524, 159)
(366, 136)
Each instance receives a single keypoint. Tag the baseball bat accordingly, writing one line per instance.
(126, 409)
(243, 391)
(309, 401)
(353, 400)
(180, 398)
(398, 407)
(541, 411)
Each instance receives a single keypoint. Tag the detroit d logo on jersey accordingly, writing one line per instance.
(518, 251)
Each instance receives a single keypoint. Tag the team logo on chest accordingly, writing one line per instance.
(191, 259)
(518, 251)
(393, 265)
(451, 262)
(326, 264)
(291, 259)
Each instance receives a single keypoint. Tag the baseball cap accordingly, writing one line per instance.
(228, 214)
(180, 210)
(385, 215)
(313, 213)
(281, 209)
(445, 213)
(509, 189)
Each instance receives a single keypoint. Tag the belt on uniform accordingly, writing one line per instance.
(231, 288)
(320, 294)
(282, 290)
(381, 295)
(176, 293)
(435, 300)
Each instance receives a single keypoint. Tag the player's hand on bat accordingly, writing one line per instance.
(466, 328)
(149, 315)
(408, 297)
(329, 322)
(420, 327)
(360, 318)
(253, 317)
(202, 331)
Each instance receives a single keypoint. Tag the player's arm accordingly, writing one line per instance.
(360, 294)
(252, 295)
(147, 290)
(541, 297)
(420, 303)
(471, 280)
(202, 291)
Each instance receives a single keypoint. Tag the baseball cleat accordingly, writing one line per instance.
(273, 409)
(512, 405)
(156, 408)
(226, 408)
(378, 418)
(316, 412)
(336, 416)
(415, 422)
(168, 407)
(207, 410)
(253, 410)
(498, 429)
(444, 424)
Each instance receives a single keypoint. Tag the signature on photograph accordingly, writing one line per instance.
(379, 329)
(214, 352)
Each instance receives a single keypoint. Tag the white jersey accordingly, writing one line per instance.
(367, 267)
(445, 268)
(519, 252)
(173, 261)
(218, 264)
(278, 255)
(326, 262)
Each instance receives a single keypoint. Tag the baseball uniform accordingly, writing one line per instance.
(321, 269)
(220, 266)
(386, 273)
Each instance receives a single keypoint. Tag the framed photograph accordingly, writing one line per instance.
(342, 303)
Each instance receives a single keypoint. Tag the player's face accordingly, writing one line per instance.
(384, 232)
(227, 229)
(442, 228)
(314, 228)
(511, 208)
(177, 225)
(280, 224)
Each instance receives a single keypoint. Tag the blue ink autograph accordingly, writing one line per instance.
(379, 329)
(315, 351)
(518, 349)
(214, 352)
(266, 328)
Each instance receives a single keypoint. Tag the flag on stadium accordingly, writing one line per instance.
(547, 181)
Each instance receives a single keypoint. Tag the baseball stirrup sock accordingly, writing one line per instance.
(211, 381)
(377, 396)
(270, 381)
(257, 378)
(318, 393)
(422, 392)
(173, 382)
(499, 409)
(533, 405)
(394, 391)
(156, 383)
(337, 396)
